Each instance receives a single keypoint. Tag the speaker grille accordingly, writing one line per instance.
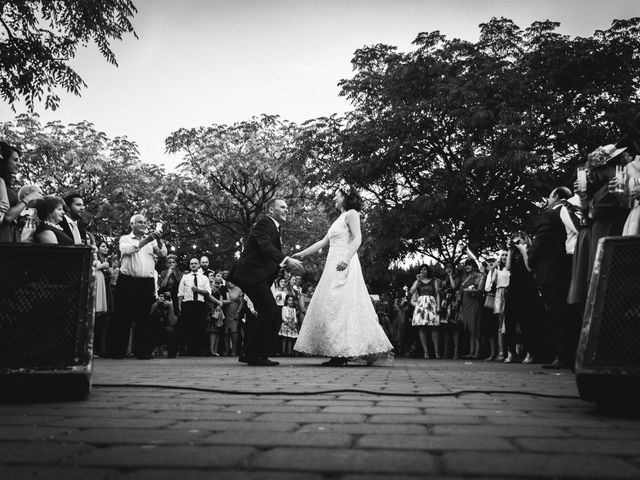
(618, 340)
(46, 306)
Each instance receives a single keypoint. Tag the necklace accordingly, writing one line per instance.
(54, 225)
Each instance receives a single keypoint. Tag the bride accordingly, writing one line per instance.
(341, 321)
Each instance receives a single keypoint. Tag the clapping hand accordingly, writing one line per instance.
(4, 206)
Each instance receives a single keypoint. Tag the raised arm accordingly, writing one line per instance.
(313, 248)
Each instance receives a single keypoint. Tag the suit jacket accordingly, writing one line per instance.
(260, 260)
(66, 228)
(548, 255)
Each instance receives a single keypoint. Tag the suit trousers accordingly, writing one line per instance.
(134, 297)
(193, 323)
(262, 340)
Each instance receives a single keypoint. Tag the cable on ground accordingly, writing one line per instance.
(455, 394)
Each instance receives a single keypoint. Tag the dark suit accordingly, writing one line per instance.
(552, 269)
(66, 228)
(254, 273)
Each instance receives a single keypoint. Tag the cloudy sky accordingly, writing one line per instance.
(199, 62)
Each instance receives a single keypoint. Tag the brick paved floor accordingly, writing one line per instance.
(294, 431)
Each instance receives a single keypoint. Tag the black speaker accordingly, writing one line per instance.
(46, 321)
(608, 357)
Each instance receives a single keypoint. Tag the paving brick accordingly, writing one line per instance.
(473, 412)
(221, 426)
(580, 445)
(434, 442)
(38, 453)
(428, 419)
(283, 408)
(185, 474)
(613, 432)
(281, 439)
(499, 431)
(89, 422)
(346, 460)
(146, 436)
(373, 410)
(312, 417)
(166, 456)
(541, 465)
(547, 422)
(55, 473)
(328, 403)
(27, 419)
(365, 428)
(15, 432)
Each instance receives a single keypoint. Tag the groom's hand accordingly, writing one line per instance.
(295, 264)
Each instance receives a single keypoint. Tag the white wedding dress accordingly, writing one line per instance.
(341, 320)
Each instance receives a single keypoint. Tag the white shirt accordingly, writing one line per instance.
(138, 262)
(73, 225)
(187, 281)
(572, 231)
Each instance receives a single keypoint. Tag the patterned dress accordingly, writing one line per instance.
(451, 301)
(289, 326)
(426, 309)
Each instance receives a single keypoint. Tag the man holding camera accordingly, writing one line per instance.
(135, 290)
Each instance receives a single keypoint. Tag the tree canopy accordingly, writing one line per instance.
(457, 142)
(38, 38)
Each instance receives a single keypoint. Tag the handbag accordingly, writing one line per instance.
(489, 301)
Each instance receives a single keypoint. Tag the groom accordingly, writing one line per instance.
(255, 272)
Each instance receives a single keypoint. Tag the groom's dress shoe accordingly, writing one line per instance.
(242, 358)
(262, 362)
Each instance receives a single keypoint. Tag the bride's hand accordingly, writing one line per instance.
(342, 266)
(297, 256)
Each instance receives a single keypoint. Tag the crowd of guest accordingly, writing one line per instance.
(524, 303)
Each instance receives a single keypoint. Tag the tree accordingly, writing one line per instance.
(38, 38)
(457, 142)
(107, 172)
(229, 173)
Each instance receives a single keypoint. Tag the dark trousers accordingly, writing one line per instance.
(193, 323)
(134, 297)
(262, 340)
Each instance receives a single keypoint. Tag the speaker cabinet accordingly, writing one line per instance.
(608, 356)
(46, 321)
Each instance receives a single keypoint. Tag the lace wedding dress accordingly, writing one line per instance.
(341, 320)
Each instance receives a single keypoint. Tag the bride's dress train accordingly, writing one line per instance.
(340, 320)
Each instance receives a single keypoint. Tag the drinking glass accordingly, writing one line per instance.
(582, 179)
(621, 178)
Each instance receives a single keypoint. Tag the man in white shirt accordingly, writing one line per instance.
(135, 291)
(193, 291)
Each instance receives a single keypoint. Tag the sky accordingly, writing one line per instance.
(203, 62)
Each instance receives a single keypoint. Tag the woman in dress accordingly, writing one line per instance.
(169, 279)
(341, 321)
(104, 303)
(472, 302)
(451, 300)
(425, 297)
(523, 306)
(50, 210)
(10, 206)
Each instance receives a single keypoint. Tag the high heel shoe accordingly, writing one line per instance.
(335, 362)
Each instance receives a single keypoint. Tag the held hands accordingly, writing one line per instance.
(295, 264)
